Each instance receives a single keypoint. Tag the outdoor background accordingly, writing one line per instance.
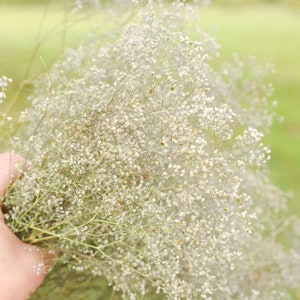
(268, 30)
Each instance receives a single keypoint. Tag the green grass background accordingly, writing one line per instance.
(272, 34)
(269, 31)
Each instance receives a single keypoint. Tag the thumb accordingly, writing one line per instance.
(11, 166)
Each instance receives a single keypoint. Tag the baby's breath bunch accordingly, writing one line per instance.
(148, 167)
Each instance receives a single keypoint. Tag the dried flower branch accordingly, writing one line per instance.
(148, 167)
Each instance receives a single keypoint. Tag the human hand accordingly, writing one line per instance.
(23, 267)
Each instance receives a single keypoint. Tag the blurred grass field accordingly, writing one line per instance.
(270, 32)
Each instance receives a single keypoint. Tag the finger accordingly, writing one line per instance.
(36, 263)
(11, 165)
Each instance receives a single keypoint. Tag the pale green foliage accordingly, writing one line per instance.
(148, 167)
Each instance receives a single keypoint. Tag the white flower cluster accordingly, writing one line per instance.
(82, 3)
(147, 168)
(79, 5)
(4, 81)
